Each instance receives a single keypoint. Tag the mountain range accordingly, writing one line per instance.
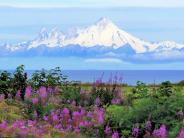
(102, 39)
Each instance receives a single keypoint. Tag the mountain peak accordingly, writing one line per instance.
(43, 34)
(103, 22)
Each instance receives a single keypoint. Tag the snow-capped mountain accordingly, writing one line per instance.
(105, 33)
(103, 38)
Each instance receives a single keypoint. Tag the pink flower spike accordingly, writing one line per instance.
(35, 101)
(163, 131)
(181, 135)
(115, 135)
(28, 92)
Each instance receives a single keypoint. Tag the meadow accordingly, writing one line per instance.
(47, 105)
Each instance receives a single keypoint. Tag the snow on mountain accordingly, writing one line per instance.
(168, 45)
(106, 33)
(49, 39)
(102, 33)
(103, 37)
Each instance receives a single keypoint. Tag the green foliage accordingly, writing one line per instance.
(166, 89)
(141, 90)
(71, 91)
(106, 93)
(159, 104)
(11, 84)
(5, 82)
(115, 112)
(19, 81)
(10, 112)
(46, 78)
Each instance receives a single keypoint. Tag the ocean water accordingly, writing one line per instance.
(128, 76)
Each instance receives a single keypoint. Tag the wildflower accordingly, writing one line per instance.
(115, 135)
(45, 118)
(28, 92)
(97, 101)
(163, 131)
(76, 117)
(35, 101)
(77, 130)
(3, 125)
(59, 126)
(148, 125)
(116, 101)
(90, 114)
(135, 132)
(73, 103)
(66, 111)
(156, 133)
(68, 127)
(55, 118)
(107, 130)
(31, 123)
(35, 114)
(181, 135)
(50, 89)
(42, 92)
(82, 124)
(100, 114)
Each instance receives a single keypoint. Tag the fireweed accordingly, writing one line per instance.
(71, 116)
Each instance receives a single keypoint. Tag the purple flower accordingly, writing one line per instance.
(28, 92)
(181, 135)
(115, 135)
(156, 133)
(76, 114)
(50, 89)
(107, 130)
(35, 114)
(31, 123)
(68, 127)
(148, 125)
(73, 103)
(90, 114)
(45, 118)
(3, 125)
(35, 101)
(43, 92)
(55, 118)
(100, 114)
(82, 124)
(77, 130)
(97, 101)
(135, 132)
(163, 131)
(116, 101)
(66, 111)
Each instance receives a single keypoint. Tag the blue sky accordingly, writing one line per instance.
(21, 20)
(93, 3)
